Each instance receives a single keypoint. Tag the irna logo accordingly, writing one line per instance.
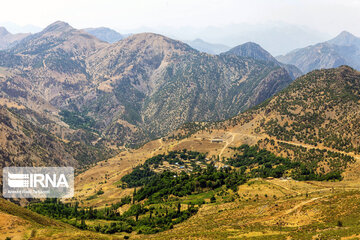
(38, 182)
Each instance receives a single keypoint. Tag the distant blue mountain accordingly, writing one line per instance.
(211, 48)
(105, 34)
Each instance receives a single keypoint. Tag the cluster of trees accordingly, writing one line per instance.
(77, 121)
(141, 218)
(157, 187)
(58, 210)
(312, 157)
(143, 173)
(263, 163)
(138, 177)
(302, 130)
(167, 183)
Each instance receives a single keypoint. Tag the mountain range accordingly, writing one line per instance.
(276, 37)
(139, 88)
(344, 49)
(80, 88)
(318, 110)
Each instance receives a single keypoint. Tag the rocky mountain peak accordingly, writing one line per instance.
(252, 50)
(151, 44)
(58, 26)
(156, 40)
(345, 39)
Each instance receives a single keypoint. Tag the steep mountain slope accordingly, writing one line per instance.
(105, 34)
(7, 39)
(253, 50)
(318, 111)
(46, 70)
(315, 120)
(22, 143)
(162, 83)
(342, 50)
(320, 108)
(38, 76)
(206, 47)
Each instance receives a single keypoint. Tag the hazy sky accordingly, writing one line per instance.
(330, 16)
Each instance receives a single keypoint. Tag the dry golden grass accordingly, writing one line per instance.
(10, 104)
(13, 226)
(288, 217)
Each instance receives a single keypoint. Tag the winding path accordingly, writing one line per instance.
(227, 144)
(297, 206)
